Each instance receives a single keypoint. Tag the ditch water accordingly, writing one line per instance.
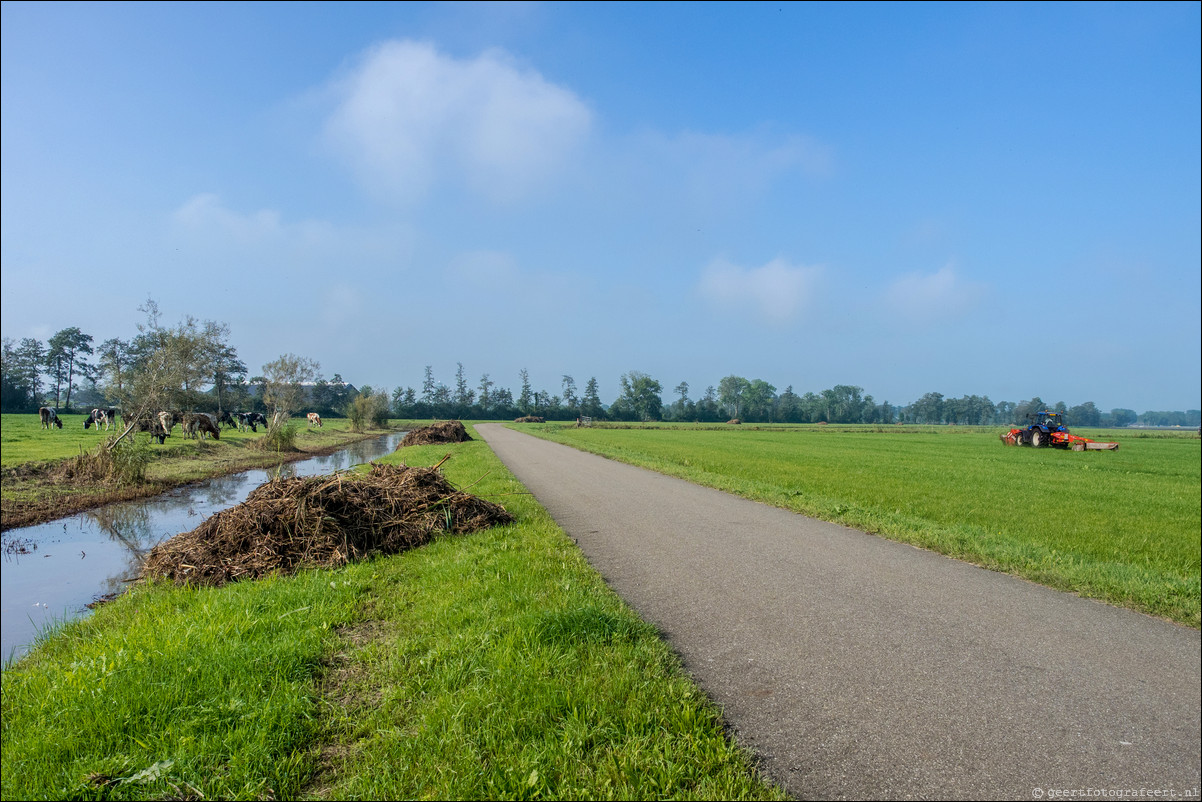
(74, 561)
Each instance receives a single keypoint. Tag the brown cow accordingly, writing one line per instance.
(199, 424)
(314, 419)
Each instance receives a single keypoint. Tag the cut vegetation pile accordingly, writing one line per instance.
(321, 521)
(449, 431)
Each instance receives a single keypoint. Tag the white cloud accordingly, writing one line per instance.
(921, 297)
(777, 291)
(409, 117)
(205, 213)
(263, 239)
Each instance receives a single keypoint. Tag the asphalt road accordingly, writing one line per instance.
(860, 668)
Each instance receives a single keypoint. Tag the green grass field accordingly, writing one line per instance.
(496, 665)
(1122, 526)
(31, 494)
(24, 440)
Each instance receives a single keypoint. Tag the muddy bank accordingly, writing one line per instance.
(49, 498)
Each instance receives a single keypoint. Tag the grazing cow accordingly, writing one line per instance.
(154, 427)
(167, 420)
(200, 424)
(49, 418)
(101, 416)
(228, 419)
(314, 419)
(258, 419)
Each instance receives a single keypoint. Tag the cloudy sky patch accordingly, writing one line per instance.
(776, 292)
(409, 117)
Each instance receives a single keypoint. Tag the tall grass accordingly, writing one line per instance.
(1121, 526)
(496, 665)
(122, 463)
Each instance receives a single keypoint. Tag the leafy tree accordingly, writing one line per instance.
(22, 375)
(844, 403)
(758, 397)
(368, 409)
(322, 397)
(464, 396)
(683, 408)
(526, 399)
(707, 408)
(224, 360)
(1025, 408)
(486, 397)
(788, 406)
(569, 392)
(1122, 417)
(503, 404)
(115, 362)
(404, 400)
(66, 355)
(590, 403)
(730, 393)
(641, 394)
(428, 386)
(285, 390)
(1086, 414)
(167, 364)
(928, 409)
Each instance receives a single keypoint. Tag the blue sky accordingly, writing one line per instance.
(966, 199)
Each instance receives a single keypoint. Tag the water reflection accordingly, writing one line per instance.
(72, 561)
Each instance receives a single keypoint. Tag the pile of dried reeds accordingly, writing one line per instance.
(286, 524)
(448, 431)
(530, 419)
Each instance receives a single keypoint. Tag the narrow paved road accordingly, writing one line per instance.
(857, 667)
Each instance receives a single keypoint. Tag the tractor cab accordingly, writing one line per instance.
(1047, 421)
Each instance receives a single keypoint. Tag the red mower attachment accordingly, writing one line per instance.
(1048, 429)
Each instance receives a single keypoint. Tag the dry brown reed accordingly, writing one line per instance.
(287, 524)
(448, 431)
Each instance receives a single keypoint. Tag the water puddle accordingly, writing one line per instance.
(52, 571)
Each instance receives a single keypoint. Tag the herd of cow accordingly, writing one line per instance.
(195, 424)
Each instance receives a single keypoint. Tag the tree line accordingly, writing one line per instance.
(188, 366)
(735, 397)
(193, 366)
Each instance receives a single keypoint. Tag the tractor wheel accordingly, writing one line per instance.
(1038, 438)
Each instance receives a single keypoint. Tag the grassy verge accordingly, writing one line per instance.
(1119, 526)
(32, 492)
(496, 665)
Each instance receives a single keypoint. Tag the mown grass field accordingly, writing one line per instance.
(1120, 526)
(495, 665)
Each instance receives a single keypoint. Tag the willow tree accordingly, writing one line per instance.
(284, 386)
(166, 365)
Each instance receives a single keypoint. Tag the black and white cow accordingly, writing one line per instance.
(49, 417)
(107, 417)
(251, 420)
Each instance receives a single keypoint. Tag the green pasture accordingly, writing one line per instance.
(22, 438)
(1122, 526)
(495, 665)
